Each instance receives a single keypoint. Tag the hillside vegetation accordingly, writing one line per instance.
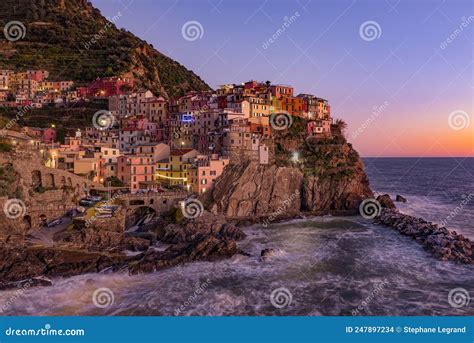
(73, 41)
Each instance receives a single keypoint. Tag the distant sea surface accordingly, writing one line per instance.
(438, 189)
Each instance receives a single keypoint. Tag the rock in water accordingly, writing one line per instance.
(399, 198)
(267, 253)
(386, 202)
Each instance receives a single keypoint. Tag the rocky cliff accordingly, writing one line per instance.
(319, 176)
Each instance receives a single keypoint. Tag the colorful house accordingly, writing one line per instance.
(204, 172)
(134, 169)
(174, 170)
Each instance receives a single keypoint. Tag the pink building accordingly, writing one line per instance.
(319, 127)
(46, 135)
(135, 169)
(37, 75)
(49, 135)
(204, 172)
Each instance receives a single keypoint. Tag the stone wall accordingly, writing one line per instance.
(160, 202)
(46, 193)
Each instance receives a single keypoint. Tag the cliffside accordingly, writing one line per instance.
(320, 176)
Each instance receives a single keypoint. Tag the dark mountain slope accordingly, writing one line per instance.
(72, 40)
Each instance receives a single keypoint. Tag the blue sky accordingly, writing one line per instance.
(410, 70)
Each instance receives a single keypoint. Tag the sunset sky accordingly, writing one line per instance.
(407, 91)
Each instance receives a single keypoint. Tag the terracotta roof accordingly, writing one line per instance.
(178, 152)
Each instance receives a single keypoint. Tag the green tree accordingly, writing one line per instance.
(61, 135)
(113, 181)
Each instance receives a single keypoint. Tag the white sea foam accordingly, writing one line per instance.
(328, 270)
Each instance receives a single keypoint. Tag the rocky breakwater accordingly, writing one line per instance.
(444, 244)
(316, 175)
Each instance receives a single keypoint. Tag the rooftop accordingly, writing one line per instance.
(179, 152)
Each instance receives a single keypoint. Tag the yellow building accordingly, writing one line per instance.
(174, 171)
(259, 107)
(90, 167)
(276, 105)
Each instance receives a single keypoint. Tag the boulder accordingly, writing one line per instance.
(206, 225)
(135, 244)
(399, 198)
(385, 201)
(209, 249)
(265, 253)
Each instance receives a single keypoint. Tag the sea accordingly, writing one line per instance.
(327, 265)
